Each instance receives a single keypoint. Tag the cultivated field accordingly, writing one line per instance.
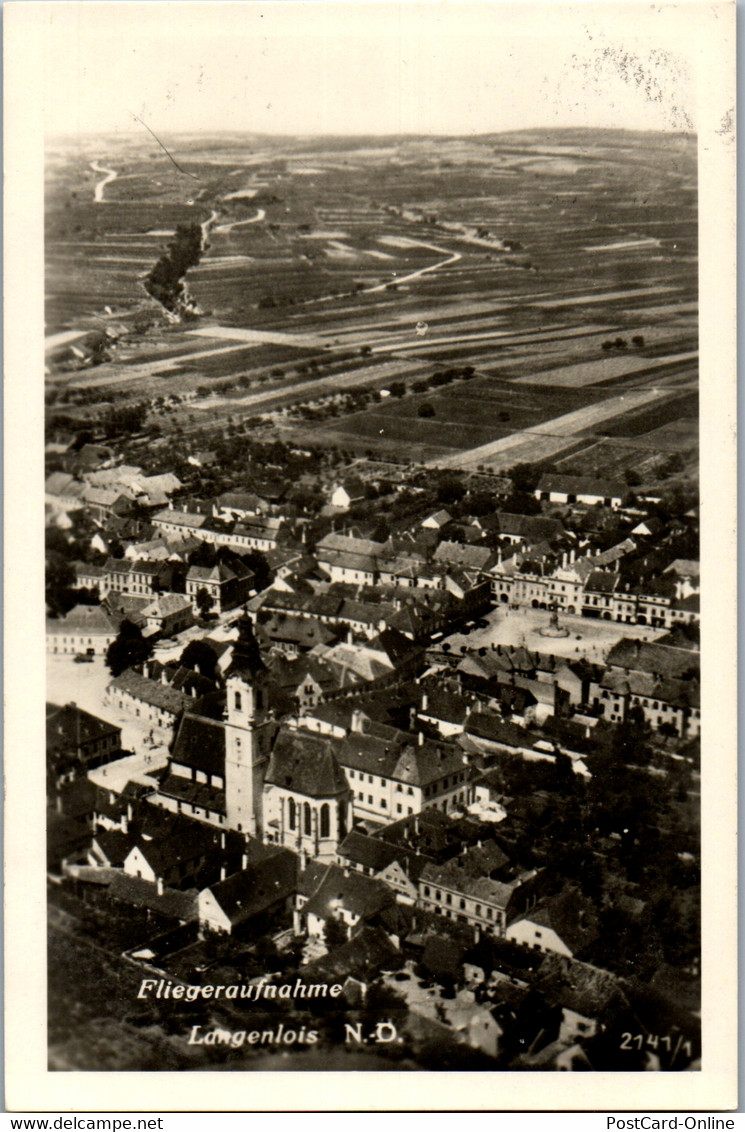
(559, 266)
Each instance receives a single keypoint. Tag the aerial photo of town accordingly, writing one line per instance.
(372, 597)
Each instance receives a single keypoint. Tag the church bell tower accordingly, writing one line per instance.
(249, 732)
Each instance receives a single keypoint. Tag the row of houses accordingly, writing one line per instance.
(595, 586)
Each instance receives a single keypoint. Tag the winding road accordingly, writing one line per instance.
(260, 214)
(111, 175)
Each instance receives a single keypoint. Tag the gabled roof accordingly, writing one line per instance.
(454, 876)
(437, 518)
(306, 764)
(70, 726)
(571, 915)
(339, 888)
(368, 851)
(238, 501)
(144, 894)
(91, 619)
(362, 957)
(59, 483)
(463, 554)
(348, 544)
(305, 632)
(150, 691)
(219, 573)
(587, 990)
(602, 582)
(166, 604)
(200, 743)
(181, 518)
(200, 794)
(257, 888)
(647, 656)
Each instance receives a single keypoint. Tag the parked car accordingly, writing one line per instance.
(82, 658)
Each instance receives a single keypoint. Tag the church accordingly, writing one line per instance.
(248, 773)
(294, 788)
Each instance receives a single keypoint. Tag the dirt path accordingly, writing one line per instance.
(111, 175)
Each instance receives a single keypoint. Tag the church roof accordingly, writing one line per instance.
(305, 764)
(200, 743)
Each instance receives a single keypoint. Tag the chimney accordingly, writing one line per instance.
(416, 825)
(244, 861)
(130, 812)
(222, 839)
(346, 870)
(163, 677)
(223, 874)
(425, 701)
(125, 822)
(420, 738)
(159, 883)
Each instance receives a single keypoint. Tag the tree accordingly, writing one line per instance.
(334, 933)
(198, 654)
(262, 571)
(426, 410)
(204, 601)
(128, 649)
(60, 582)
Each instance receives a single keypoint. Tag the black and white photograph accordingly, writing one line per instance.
(375, 576)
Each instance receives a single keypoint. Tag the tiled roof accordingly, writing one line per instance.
(91, 619)
(198, 794)
(144, 894)
(570, 915)
(647, 656)
(71, 726)
(305, 632)
(167, 603)
(200, 743)
(150, 691)
(182, 518)
(257, 888)
(602, 582)
(371, 852)
(358, 894)
(462, 554)
(306, 763)
(362, 957)
(348, 544)
(587, 990)
(451, 875)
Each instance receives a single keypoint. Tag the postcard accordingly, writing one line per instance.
(370, 657)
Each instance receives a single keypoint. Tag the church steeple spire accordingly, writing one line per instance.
(246, 660)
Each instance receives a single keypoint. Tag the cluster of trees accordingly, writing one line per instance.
(127, 418)
(128, 649)
(622, 344)
(164, 281)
